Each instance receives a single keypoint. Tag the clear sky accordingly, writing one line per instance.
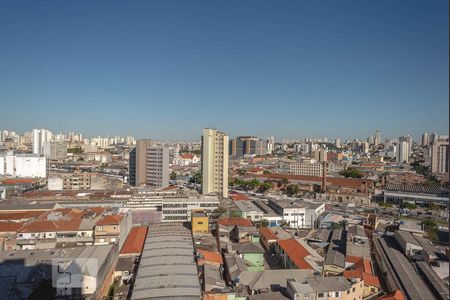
(166, 69)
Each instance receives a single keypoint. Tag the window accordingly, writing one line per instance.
(337, 294)
(353, 289)
(200, 223)
(319, 295)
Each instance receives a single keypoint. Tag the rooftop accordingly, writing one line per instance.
(296, 253)
(167, 269)
(135, 241)
(235, 221)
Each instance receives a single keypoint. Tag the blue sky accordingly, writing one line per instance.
(166, 69)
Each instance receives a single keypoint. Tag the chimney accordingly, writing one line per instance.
(324, 177)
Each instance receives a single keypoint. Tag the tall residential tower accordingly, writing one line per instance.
(214, 162)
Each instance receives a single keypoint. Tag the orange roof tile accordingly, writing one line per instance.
(51, 226)
(296, 252)
(21, 215)
(397, 295)
(10, 226)
(360, 263)
(187, 156)
(235, 221)
(210, 257)
(267, 233)
(110, 220)
(369, 279)
(135, 241)
(238, 197)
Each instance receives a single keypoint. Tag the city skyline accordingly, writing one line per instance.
(342, 138)
(166, 70)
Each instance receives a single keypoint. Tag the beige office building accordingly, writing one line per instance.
(214, 162)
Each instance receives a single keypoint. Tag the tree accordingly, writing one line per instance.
(265, 186)
(351, 172)
(196, 178)
(292, 189)
(253, 183)
(173, 175)
(264, 223)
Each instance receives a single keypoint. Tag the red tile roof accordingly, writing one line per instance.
(296, 252)
(360, 263)
(18, 180)
(210, 257)
(187, 156)
(368, 278)
(135, 241)
(10, 226)
(21, 215)
(238, 197)
(235, 221)
(397, 295)
(267, 233)
(110, 220)
(51, 226)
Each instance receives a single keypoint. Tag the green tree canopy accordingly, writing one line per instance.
(351, 172)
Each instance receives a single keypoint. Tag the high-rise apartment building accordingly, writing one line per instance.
(439, 156)
(214, 162)
(337, 143)
(425, 140)
(40, 136)
(377, 139)
(402, 152)
(149, 165)
(407, 138)
(321, 155)
(247, 146)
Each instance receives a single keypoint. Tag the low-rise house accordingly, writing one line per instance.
(330, 288)
(269, 236)
(8, 234)
(292, 254)
(266, 281)
(112, 229)
(199, 221)
(235, 230)
(252, 253)
(362, 268)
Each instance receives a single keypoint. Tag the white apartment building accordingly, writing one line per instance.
(40, 136)
(215, 162)
(23, 165)
(403, 152)
(297, 213)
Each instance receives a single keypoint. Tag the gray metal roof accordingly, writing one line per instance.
(167, 269)
(410, 283)
(436, 285)
(337, 249)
